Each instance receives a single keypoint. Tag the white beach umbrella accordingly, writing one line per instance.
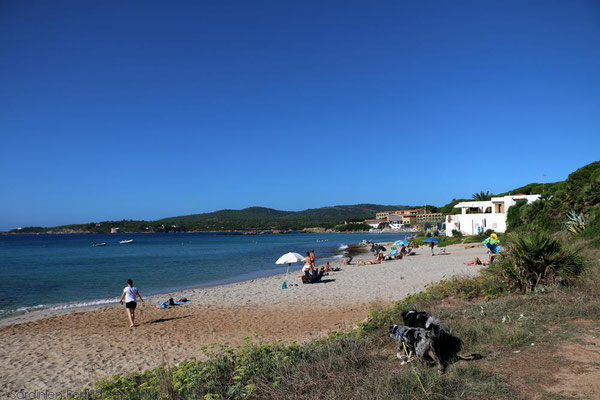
(289, 259)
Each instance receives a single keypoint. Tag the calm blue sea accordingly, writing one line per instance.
(62, 271)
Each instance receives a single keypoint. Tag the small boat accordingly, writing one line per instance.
(126, 241)
(98, 244)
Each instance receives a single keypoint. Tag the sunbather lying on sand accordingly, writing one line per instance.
(477, 261)
(368, 262)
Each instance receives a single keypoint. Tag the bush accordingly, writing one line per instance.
(456, 233)
(513, 217)
(592, 228)
(537, 258)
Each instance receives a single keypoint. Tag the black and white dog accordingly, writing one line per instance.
(424, 337)
(420, 319)
(417, 341)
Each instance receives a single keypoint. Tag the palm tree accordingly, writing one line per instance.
(482, 196)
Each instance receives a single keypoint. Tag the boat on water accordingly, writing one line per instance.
(99, 244)
(126, 241)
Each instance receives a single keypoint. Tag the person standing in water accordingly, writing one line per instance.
(130, 293)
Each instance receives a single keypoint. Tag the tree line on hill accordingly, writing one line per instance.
(578, 195)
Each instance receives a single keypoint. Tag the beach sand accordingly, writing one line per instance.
(67, 351)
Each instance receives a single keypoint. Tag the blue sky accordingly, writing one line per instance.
(149, 109)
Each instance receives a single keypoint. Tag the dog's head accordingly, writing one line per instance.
(406, 313)
(433, 324)
(393, 331)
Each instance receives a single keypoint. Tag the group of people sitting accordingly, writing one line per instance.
(395, 254)
(311, 273)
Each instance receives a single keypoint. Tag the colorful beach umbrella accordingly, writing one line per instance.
(431, 239)
(401, 242)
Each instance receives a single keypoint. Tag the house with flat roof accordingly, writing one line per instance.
(479, 216)
(375, 223)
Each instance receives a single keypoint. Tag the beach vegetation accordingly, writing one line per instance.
(535, 258)
(576, 222)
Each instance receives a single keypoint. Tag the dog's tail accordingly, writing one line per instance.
(469, 357)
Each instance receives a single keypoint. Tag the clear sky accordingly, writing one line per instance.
(148, 109)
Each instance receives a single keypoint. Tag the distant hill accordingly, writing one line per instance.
(580, 191)
(268, 218)
(252, 218)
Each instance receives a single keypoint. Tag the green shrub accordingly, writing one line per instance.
(592, 228)
(537, 258)
(513, 217)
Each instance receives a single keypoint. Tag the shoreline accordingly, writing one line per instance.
(33, 313)
(75, 348)
(38, 311)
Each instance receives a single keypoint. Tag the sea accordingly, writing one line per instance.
(61, 271)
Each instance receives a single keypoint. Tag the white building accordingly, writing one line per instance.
(376, 223)
(479, 216)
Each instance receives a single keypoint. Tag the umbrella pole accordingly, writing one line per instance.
(285, 286)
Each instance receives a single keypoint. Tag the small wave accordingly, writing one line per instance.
(25, 310)
(32, 308)
(337, 257)
(343, 247)
(84, 304)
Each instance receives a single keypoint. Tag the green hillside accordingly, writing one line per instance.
(267, 218)
(579, 192)
(252, 218)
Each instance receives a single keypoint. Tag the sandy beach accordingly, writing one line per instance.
(70, 350)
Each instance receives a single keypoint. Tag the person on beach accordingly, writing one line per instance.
(307, 263)
(376, 249)
(493, 245)
(130, 293)
(312, 258)
(432, 244)
(477, 261)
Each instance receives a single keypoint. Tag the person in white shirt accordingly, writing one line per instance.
(130, 293)
(307, 263)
